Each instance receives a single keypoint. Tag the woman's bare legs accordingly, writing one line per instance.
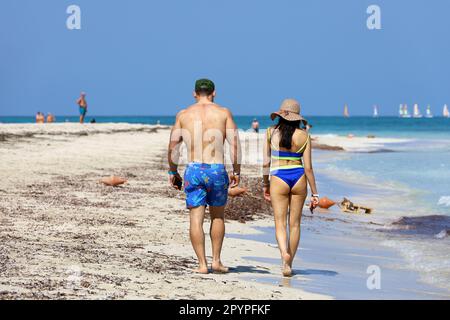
(297, 200)
(279, 193)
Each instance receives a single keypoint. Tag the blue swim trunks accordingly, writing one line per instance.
(83, 111)
(206, 184)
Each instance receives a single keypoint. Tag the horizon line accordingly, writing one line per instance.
(235, 115)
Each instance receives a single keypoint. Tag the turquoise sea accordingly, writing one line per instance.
(383, 126)
(416, 171)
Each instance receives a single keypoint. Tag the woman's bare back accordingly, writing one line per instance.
(299, 139)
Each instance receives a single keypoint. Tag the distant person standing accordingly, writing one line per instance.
(50, 118)
(40, 117)
(255, 125)
(82, 106)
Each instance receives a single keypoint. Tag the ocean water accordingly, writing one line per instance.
(418, 213)
(435, 128)
(412, 180)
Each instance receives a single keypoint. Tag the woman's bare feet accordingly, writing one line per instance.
(287, 270)
(218, 267)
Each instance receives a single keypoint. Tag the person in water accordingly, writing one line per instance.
(203, 128)
(82, 104)
(255, 125)
(287, 169)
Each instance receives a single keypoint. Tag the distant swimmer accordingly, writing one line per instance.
(40, 117)
(50, 118)
(82, 106)
(255, 125)
(203, 128)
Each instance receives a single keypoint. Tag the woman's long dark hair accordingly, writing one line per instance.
(287, 129)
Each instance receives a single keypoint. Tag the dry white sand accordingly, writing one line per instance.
(65, 236)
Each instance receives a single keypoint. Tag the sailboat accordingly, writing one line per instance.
(416, 112)
(346, 114)
(375, 111)
(445, 112)
(428, 114)
(404, 111)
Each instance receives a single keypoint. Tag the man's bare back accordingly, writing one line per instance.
(204, 131)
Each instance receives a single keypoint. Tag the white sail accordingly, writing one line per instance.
(429, 114)
(405, 113)
(346, 113)
(445, 112)
(375, 111)
(416, 111)
(400, 111)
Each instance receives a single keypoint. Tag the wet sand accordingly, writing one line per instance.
(337, 257)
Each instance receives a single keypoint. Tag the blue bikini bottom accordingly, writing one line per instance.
(290, 176)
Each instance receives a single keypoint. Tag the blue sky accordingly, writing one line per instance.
(142, 57)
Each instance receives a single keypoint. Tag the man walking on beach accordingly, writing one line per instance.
(204, 127)
(82, 104)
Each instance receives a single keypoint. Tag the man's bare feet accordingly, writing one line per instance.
(202, 270)
(218, 267)
(287, 270)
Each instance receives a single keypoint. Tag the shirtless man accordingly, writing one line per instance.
(82, 106)
(204, 127)
(50, 118)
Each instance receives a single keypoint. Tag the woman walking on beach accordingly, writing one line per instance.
(287, 170)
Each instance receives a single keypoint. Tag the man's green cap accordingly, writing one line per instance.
(204, 85)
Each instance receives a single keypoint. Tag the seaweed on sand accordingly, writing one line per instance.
(250, 205)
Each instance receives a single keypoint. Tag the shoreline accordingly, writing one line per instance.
(345, 275)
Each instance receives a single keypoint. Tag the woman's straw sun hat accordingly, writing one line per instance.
(289, 110)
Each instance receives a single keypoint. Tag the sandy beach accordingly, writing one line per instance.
(66, 236)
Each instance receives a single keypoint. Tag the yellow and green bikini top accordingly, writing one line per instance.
(286, 155)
